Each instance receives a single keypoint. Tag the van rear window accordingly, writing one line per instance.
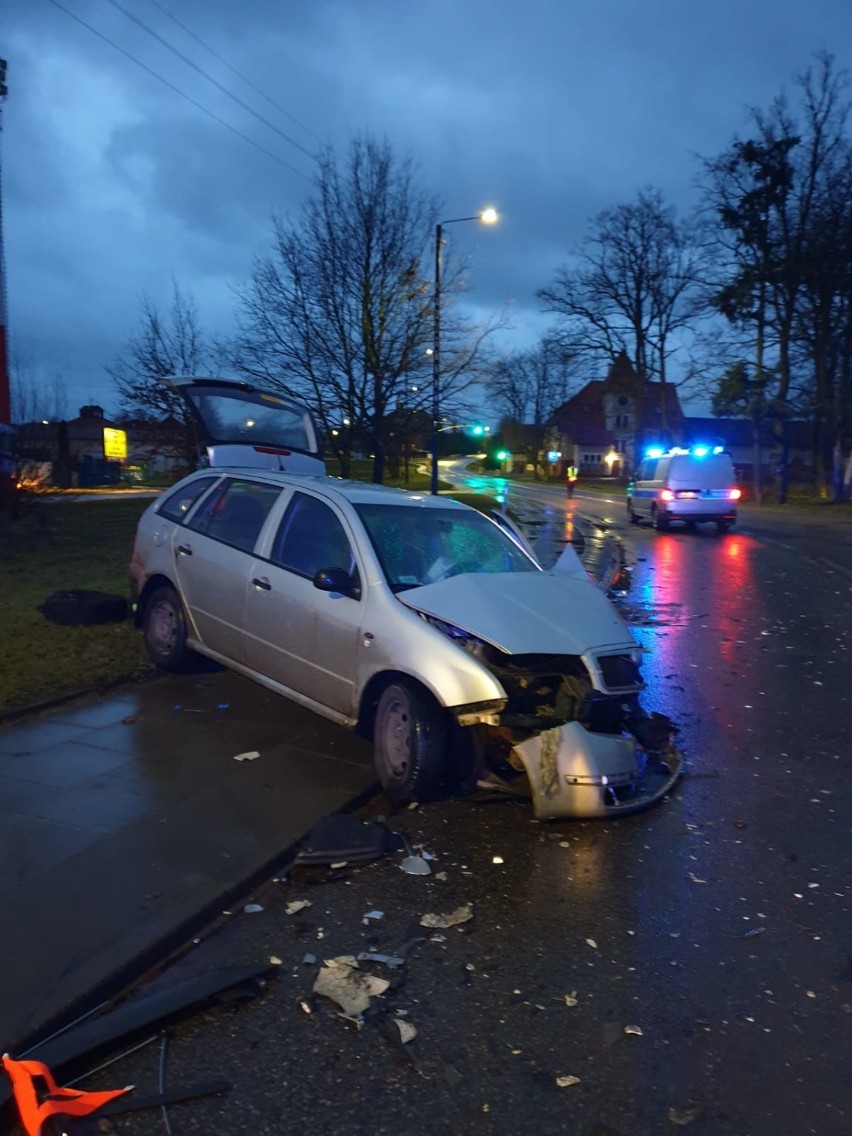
(716, 471)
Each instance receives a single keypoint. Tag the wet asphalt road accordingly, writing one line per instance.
(718, 924)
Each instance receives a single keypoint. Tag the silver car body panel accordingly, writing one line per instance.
(554, 613)
(575, 773)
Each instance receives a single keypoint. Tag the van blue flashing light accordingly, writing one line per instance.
(700, 451)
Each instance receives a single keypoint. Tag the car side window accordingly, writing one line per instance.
(311, 537)
(177, 504)
(236, 512)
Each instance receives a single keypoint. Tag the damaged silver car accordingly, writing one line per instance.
(416, 620)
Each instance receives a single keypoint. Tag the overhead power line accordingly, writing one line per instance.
(234, 71)
(210, 78)
(178, 91)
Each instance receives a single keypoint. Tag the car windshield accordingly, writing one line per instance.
(418, 545)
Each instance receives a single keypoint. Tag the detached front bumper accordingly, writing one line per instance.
(575, 773)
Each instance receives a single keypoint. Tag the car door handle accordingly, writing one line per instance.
(262, 583)
(184, 550)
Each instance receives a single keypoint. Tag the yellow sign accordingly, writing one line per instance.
(115, 443)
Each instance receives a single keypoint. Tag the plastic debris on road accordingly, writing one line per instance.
(571, 999)
(634, 1031)
(386, 960)
(567, 1082)
(497, 860)
(415, 866)
(297, 905)
(249, 755)
(460, 915)
(349, 988)
(252, 908)
(344, 838)
(274, 960)
(373, 915)
(407, 1031)
(591, 943)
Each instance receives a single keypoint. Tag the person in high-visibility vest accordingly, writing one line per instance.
(570, 479)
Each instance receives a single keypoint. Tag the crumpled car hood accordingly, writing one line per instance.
(526, 612)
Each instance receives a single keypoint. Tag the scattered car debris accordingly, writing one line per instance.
(415, 866)
(351, 989)
(252, 908)
(695, 879)
(309, 959)
(460, 915)
(591, 943)
(407, 1030)
(373, 915)
(634, 1031)
(296, 905)
(231, 983)
(567, 1082)
(59, 1102)
(274, 960)
(386, 960)
(497, 860)
(571, 999)
(753, 932)
(441, 876)
(342, 838)
(249, 755)
(685, 1117)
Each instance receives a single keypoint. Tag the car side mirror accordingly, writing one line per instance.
(337, 580)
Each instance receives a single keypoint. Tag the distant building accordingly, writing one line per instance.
(601, 428)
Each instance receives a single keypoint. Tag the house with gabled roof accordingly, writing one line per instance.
(600, 428)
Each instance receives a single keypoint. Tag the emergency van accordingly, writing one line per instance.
(692, 486)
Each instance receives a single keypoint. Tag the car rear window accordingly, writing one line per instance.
(713, 472)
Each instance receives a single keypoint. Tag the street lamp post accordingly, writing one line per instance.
(487, 217)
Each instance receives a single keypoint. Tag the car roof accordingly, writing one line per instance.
(356, 492)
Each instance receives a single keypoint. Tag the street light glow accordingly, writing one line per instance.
(489, 216)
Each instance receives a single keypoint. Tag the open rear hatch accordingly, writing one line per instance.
(240, 425)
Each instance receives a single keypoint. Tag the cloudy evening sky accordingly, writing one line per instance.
(551, 110)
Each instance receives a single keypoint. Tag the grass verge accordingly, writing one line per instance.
(50, 548)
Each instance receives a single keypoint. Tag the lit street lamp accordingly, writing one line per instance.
(487, 217)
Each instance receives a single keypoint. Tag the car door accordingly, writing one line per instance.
(304, 638)
(213, 555)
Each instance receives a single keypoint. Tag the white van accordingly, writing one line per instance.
(692, 486)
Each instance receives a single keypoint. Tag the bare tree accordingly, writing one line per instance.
(339, 313)
(633, 288)
(528, 386)
(162, 345)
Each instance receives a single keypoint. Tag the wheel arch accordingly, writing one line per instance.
(158, 580)
(373, 691)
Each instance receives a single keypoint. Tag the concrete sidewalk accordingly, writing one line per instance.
(126, 823)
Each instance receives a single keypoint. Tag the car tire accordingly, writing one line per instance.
(661, 524)
(81, 608)
(164, 629)
(723, 526)
(409, 743)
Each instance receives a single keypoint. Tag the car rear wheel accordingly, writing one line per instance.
(723, 526)
(661, 523)
(164, 628)
(410, 743)
(634, 520)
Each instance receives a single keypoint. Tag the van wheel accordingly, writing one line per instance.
(661, 524)
(723, 526)
(409, 743)
(634, 520)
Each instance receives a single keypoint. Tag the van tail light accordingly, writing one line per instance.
(735, 494)
(666, 495)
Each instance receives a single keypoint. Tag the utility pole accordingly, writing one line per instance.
(5, 397)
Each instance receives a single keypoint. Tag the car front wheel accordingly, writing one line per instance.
(164, 628)
(410, 743)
